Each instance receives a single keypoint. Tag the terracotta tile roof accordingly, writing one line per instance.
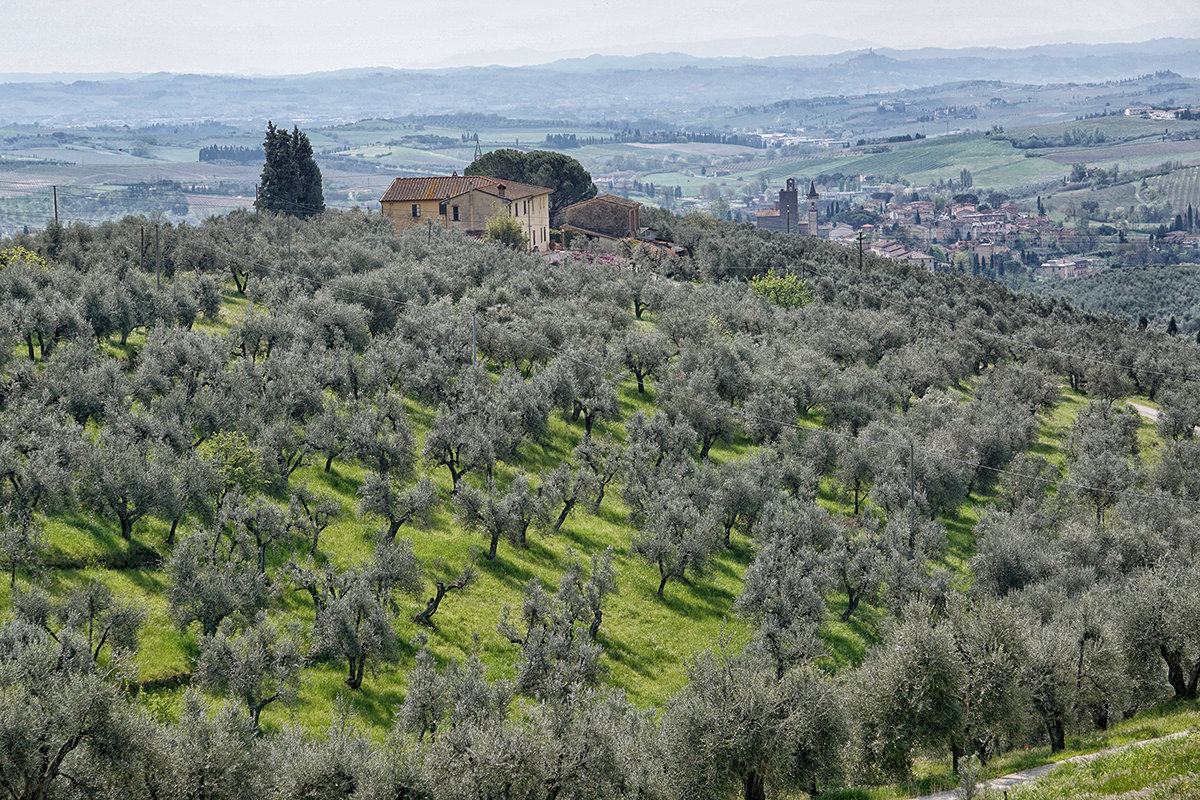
(409, 189)
(403, 189)
(615, 200)
(513, 189)
(588, 232)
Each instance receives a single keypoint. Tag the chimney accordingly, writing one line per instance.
(500, 187)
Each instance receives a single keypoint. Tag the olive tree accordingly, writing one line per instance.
(61, 720)
(256, 665)
(735, 727)
(557, 633)
(397, 505)
(677, 538)
(355, 618)
(784, 588)
(1159, 617)
(906, 696)
(205, 587)
(21, 541)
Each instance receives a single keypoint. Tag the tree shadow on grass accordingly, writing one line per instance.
(374, 702)
(150, 581)
(335, 481)
(505, 570)
(635, 659)
(583, 538)
(696, 600)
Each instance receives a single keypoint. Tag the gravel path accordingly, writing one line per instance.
(997, 786)
(1146, 411)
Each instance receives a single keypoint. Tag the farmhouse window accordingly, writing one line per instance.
(416, 209)
(455, 209)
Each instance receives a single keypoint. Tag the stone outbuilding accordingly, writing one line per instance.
(607, 216)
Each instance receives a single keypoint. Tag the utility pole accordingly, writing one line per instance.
(860, 242)
(473, 338)
(429, 234)
(157, 258)
(55, 189)
(912, 475)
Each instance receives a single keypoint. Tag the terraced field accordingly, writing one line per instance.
(1180, 188)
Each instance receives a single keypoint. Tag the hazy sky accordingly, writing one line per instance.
(278, 36)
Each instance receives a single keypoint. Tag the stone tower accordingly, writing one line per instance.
(812, 208)
(789, 207)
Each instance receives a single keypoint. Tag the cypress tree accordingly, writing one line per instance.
(310, 197)
(291, 181)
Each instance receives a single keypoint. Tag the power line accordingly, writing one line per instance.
(29, 215)
(746, 415)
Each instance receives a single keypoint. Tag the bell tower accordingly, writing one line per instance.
(812, 197)
(788, 207)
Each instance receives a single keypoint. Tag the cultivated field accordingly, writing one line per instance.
(1180, 188)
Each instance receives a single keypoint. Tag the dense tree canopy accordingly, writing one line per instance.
(566, 176)
(301, 459)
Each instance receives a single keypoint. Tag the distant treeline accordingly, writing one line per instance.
(1075, 137)
(566, 141)
(475, 121)
(636, 135)
(425, 141)
(908, 137)
(232, 152)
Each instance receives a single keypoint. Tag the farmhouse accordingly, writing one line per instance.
(606, 216)
(467, 202)
(1069, 267)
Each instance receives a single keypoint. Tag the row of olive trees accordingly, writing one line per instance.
(207, 426)
(70, 729)
(975, 674)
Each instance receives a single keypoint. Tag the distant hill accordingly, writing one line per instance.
(665, 84)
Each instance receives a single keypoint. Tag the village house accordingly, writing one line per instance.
(1069, 267)
(890, 248)
(467, 203)
(921, 259)
(987, 248)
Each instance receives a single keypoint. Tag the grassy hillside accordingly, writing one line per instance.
(1159, 769)
(814, 478)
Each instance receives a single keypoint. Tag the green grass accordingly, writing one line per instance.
(932, 770)
(647, 642)
(1169, 769)
(1051, 438)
